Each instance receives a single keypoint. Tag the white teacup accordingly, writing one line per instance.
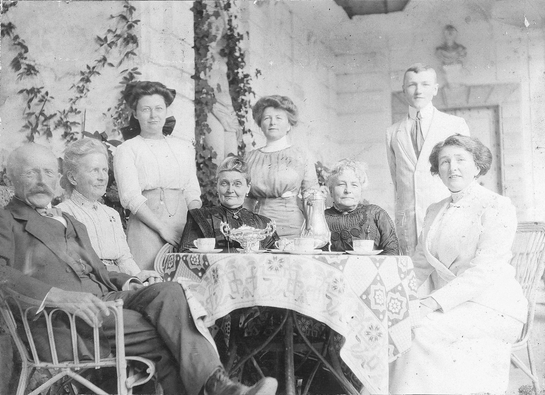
(284, 244)
(363, 245)
(303, 244)
(205, 244)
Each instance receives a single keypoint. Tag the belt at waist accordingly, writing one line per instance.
(290, 197)
(109, 261)
(162, 190)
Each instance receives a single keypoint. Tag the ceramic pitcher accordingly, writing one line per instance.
(316, 225)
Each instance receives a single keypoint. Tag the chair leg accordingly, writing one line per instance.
(519, 364)
(337, 373)
(537, 387)
(23, 379)
(234, 339)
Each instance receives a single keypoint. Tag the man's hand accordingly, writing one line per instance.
(87, 306)
(134, 286)
(150, 276)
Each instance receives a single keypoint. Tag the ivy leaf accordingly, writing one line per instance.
(20, 43)
(7, 29)
(100, 41)
(15, 64)
(122, 17)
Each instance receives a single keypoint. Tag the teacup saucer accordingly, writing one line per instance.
(373, 252)
(304, 252)
(206, 251)
(252, 252)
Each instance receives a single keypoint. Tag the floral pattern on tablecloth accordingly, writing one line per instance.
(367, 300)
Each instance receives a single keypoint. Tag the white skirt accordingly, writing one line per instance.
(465, 350)
(143, 241)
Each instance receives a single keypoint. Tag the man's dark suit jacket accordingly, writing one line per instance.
(32, 261)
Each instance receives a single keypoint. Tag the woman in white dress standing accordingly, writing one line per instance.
(155, 174)
(476, 309)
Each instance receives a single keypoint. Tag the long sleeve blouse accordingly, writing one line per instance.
(105, 231)
(144, 164)
(206, 222)
(366, 222)
(284, 173)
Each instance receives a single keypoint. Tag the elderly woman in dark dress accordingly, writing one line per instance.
(233, 185)
(350, 219)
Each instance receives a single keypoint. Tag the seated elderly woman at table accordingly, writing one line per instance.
(350, 218)
(476, 308)
(85, 178)
(233, 184)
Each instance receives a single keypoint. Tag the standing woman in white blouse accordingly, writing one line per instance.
(476, 308)
(156, 175)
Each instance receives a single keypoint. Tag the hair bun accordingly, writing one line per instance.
(135, 90)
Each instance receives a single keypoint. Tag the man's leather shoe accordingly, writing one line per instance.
(220, 384)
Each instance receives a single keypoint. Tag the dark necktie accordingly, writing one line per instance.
(416, 134)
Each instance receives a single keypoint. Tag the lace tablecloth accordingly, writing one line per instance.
(367, 299)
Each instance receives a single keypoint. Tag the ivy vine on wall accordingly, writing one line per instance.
(120, 37)
(39, 117)
(204, 101)
(205, 13)
(240, 87)
(115, 47)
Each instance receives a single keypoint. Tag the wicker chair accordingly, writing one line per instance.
(6, 193)
(65, 372)
(529, 262)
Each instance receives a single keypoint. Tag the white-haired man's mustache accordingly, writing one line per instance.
(42, 188)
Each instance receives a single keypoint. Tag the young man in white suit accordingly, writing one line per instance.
(408, 144)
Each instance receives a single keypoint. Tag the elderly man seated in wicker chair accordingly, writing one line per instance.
(47, 259)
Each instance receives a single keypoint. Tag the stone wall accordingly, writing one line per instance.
(291, 50)
(340, 72)
(61, 38)
(372, 53)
